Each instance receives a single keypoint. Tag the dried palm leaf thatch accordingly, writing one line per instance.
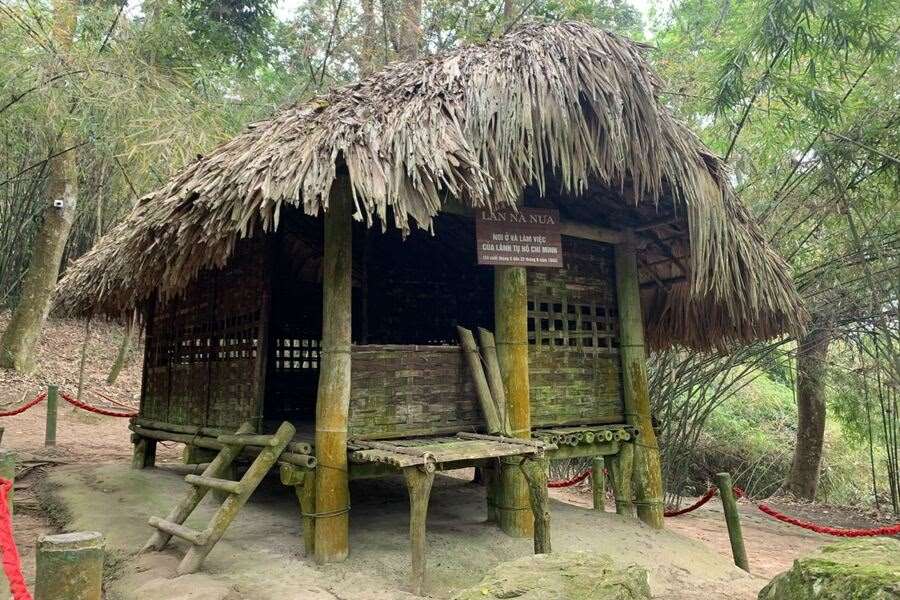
(477, 125)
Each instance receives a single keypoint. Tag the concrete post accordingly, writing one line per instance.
(69, 566)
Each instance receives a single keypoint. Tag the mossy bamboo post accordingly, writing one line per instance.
(620, 468)
(511, 322)
(70, 566)
(732, 520)
(307, 508)
(333, 400)
(598, 483)
(52, 411)
(418, 482)
(647, 475)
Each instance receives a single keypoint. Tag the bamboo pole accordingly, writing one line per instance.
(732, 520)
(333, 400)
(52, 411)
(483, 390)
(647, 475)
(494, 377)
(513, 507)
(598, 483)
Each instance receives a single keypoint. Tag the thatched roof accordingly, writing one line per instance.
(478, 125)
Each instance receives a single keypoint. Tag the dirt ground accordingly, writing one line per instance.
(261, 557)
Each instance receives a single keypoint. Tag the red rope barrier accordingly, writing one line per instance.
(100, 411)
(561, 483)
(824, 529)
(12, 567)
(36, 400)
(710, 493)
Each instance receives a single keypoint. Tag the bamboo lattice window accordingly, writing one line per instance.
(589, 326)
(297, 354)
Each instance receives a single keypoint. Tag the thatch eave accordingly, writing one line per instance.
(478, 125)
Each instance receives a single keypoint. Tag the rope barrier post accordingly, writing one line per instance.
(732, 520)
(69, 565)
(52, 405)
(8, 471)
(2, 429)
(598, 483)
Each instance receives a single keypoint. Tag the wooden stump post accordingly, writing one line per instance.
(144, 455)
(304, 483)
(620, 468)
(513, 507)
(535, 472)
(333, 400)
(732, 520)
(70, 566)
(418, 482)
(598, 483)
(52, 410)
(647, 475)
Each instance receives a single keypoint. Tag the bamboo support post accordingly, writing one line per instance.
(535, 472)
(598, 483)
(333, 401)
(418, 482)
(494, 377)
(70, 566)
(646, 474)
(511, 322)
(8, 471)
(620, 468)
(732, 520)
(483, 390)
(52, 410)
(307, 508)
(159, 539)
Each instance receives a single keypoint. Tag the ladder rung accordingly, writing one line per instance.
(232, 439)
(198, 538)
(214, 483)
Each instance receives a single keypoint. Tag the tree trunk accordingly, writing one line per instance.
(408, 35)
(812, 351)
(366, 63)
(19, 341)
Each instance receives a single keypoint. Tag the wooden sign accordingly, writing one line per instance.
(528, 237)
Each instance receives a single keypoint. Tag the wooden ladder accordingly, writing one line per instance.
(237, 493)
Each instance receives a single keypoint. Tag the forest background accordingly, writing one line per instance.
(102, 100)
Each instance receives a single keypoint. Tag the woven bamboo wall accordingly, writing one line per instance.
(202, 348)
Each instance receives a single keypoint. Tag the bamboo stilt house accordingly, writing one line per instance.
(317, 269)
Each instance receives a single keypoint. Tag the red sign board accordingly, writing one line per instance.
(528, 237)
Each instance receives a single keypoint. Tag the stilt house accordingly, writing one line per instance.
(318, 280)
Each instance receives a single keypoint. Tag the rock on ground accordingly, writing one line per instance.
(565, 576)
(858, 569)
